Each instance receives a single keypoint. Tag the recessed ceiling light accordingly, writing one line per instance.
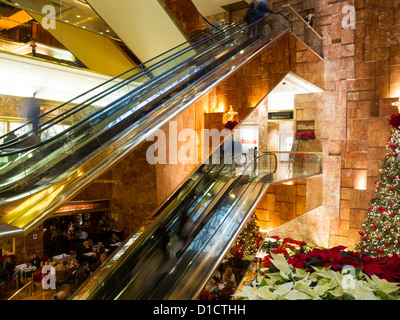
(107, 30)
(78, 16)
(66, 21)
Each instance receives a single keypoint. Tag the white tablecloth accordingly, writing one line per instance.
(61, 256)
(24, 268)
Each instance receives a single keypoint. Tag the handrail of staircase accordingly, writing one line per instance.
(302, 19)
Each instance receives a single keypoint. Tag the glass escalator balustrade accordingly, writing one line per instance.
(59, 162)
(50, 159)
(213, 227)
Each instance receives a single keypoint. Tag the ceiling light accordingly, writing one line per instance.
(78, 16)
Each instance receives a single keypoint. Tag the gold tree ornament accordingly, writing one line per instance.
(230, 115)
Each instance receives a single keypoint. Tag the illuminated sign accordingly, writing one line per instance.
(284, 115)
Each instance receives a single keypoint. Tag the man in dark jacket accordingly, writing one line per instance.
(82, 274)
(263, 7)
(250, 17)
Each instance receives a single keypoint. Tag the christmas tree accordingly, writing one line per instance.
(381, 230)
(247, 244)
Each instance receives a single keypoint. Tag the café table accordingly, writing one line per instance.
(24, 269)
(61, 256)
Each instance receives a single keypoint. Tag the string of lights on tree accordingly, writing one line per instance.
(248, 242)
(381, 230)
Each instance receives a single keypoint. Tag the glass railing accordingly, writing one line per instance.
(235, 209)
(178, 235)
(136, 114)
(77, 13)
(296, 164)
(110, 91)
(157, 265)
(306, 33)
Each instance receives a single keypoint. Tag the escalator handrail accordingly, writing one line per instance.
(223, 196)
(152, 229)
(141, 66)
(109, 106)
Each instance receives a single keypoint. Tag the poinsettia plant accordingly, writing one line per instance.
(285, 282)
(395, 121)
(286, 247)
(306, 257)
(306, 136)
(295, 270)
(231, 125)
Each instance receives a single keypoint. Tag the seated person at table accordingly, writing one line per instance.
(212, 287)
(114, 239)
(100, 250)
(227, 291)
(70, 272)
(229, 276)
(61, 272)
(82, 274)
(35, 261)
(100, 261)
(81, 249)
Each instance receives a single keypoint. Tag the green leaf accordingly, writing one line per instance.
(263, 283)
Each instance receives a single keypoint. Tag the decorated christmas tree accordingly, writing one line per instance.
(381, 230)
(247, 244)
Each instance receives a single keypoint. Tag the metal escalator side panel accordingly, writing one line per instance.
(178, 203)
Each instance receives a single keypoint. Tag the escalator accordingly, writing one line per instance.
(195, 227)
(109, 121)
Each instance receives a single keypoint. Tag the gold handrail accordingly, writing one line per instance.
(25, 286)
(290, 7)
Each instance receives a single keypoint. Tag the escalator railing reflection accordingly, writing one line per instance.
(62, 164)
(87, 102)
(156, 261)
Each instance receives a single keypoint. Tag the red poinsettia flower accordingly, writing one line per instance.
(231, 125)
(395, 121)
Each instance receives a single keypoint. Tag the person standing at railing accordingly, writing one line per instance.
(33, 45)
(310, 19)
